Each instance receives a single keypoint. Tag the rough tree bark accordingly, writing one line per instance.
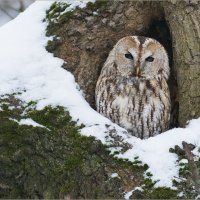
(87, 35)
(66, 164)
(87, 38)
(183, 18)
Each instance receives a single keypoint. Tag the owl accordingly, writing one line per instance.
(132, 88)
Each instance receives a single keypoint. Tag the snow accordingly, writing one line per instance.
(74, 3)
(180, 194)
(198, 197)
(30, 122)
(183, 161)
(28, 68)
(128, 194)
(114, 175)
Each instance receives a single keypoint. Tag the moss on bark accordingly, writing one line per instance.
(56, 161)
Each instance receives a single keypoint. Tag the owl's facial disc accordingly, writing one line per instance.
(136, 70)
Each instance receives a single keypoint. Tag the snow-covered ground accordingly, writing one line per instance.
(28, 68)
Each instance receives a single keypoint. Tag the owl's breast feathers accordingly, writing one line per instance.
(141, 106)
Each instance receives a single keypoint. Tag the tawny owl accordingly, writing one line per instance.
(132, 88)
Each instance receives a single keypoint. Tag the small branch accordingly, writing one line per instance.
(192, 166)
(181, 179)
(5, 11)
(22, 6)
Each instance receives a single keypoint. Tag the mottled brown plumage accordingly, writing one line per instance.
(132, 88)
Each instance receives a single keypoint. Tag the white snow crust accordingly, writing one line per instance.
(30, 122)
(28, 68)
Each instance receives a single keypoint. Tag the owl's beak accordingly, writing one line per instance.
(137, 71)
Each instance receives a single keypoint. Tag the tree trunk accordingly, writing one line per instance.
(66, 164)
(184, 23)
(90, 37)
(89, 41)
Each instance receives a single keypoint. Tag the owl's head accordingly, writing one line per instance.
(141, 57)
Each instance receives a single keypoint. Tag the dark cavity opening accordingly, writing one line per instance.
(159, 30)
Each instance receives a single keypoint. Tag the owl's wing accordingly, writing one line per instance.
(109, 68)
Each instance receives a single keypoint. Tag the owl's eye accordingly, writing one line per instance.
(129, 56)
(149, 59)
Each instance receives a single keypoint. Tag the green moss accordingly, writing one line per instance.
(65, 17)
(6, 110)
(163, 193)
(116, 152)
(54, 161)
(149, 174)
(57, 160)
(148, 184)
(4, 106)
(145, 167)
(97, 4)
(150, 192)
(56, 16)
(135, 167)
(56, 10)
(52, 45)
(31, 103)
(137, 162)
(183, 172)
(188, 186)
